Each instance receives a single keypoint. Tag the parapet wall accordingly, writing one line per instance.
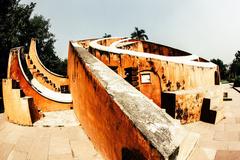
(120, 121)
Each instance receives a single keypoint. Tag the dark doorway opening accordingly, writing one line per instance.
(217, 78)
(1, 98)
(132, 154)
(131, 74)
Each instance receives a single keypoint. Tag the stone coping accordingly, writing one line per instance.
(188, 60)
(163, 132)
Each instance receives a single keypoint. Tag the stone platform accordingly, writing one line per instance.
(44, 143)
(65, 118)
(222, 139)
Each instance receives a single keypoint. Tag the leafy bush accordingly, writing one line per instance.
(236, 82)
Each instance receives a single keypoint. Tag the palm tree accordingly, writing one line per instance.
(107, 35)
(139, 34)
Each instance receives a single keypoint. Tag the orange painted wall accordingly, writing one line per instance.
(110, 130)
(154, 48)
(172, 76)
(40, 102)
(59, 80)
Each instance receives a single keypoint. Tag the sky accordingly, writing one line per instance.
(207, 28)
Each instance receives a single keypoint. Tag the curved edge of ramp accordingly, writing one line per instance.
(41, 99)
(56, 79)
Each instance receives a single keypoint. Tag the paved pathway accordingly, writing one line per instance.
(220, 141)
(223, 139)
(58, 119)
(44, 143)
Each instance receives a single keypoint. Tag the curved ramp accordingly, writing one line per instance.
(44, 99)
(172, 78)
(175, 69)
(53, 81)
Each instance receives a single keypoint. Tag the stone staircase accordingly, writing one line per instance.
(40, 76)
(212, 108)
(184, 105)
(18, 107)
(210, 112)
(188, 106)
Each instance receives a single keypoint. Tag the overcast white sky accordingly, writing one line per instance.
(208, 28)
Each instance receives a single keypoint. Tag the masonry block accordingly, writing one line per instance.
(183, 105)
(212, 108)
(17, 107)
(211, 114)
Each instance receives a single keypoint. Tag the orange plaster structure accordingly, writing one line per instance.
(41, 102)
(156, 69)
(99, 113)
(19, 109)
(121, 113)
(120, 121)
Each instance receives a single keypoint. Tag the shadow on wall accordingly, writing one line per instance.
(132, 154)
(217, 78)
(1, 105)
(1, 99)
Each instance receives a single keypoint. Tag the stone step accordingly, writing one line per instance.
(216, 95)
(15, 84)
(25, 117)
(188, 146)
(35, 74)
(17, 106)
(211, 112)
(219, 114)
(27, 56)
(32, 67)
(18, 92)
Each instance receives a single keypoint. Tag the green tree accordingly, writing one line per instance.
(13, 21)
(39, 27)
(235, 66)
(139, 34)
(222, 67)
(17, 28)
(107, 35)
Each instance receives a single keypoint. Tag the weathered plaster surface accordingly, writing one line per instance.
(155, 125)
(41, 102)
(59, 80)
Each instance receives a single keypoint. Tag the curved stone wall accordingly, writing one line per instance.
(45, 75)
(168, 73)
(44, 100)
(120, 121)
